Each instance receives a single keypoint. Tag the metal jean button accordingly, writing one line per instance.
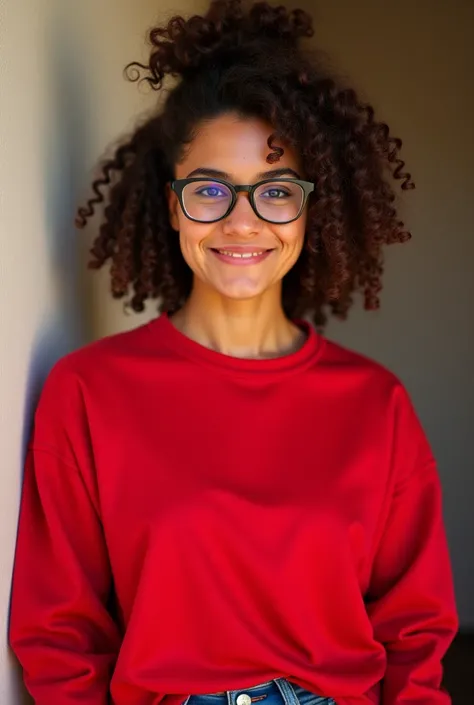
(243, 699)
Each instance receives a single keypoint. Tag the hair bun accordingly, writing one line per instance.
(223, 35)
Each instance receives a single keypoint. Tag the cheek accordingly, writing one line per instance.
(191, 238)
(292, 238)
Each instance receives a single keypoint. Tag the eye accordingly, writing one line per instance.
(211, 192)
(275, 193)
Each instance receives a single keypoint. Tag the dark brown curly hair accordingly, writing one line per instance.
(250, 61)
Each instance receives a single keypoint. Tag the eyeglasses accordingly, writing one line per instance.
(273, 200)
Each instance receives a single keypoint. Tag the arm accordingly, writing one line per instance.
(411, 600)
(60, 628)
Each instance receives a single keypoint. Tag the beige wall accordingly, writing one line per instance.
(61, 70)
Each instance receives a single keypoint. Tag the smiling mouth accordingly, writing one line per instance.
(240, 255)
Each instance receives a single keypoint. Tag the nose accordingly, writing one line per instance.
(242, 220)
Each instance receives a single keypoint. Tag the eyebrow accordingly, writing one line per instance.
(217, 174)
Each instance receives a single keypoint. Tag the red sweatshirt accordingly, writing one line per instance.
(252, 519)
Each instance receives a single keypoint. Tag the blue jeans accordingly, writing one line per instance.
(276, 692)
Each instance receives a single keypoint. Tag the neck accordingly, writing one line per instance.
(255, 328)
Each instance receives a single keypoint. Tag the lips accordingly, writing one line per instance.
(240, 250)
(237, 254)
(241, 254)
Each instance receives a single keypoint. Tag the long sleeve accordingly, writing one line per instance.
(411, 599)
(60, 628)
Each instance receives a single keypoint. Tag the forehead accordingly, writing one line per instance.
(238, 146)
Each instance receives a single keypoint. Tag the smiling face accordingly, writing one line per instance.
(241, 256)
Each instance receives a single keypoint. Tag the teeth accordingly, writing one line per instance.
(243, 255)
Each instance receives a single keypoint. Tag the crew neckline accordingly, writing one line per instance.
(174, 339)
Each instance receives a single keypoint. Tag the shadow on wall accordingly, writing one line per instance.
(66, 140)
(63, 329)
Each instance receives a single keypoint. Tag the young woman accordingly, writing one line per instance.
(222, 506)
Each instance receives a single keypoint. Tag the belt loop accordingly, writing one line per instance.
(287, 692)
(229, 697)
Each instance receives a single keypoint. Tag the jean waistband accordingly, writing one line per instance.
(252, 687)
(284, 686)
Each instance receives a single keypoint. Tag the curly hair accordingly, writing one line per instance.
(252, 62)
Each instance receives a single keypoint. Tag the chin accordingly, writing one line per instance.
(241, 293)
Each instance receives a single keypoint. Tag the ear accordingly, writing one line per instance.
(173, 207)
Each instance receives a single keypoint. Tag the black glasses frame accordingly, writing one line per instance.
(178, 186)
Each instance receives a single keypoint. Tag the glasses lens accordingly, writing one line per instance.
(206, 200)
(279, 201)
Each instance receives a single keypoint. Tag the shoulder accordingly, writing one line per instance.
(355, 368)
(371, 387)
(91, 378)
(97, 360)
(375, 394)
